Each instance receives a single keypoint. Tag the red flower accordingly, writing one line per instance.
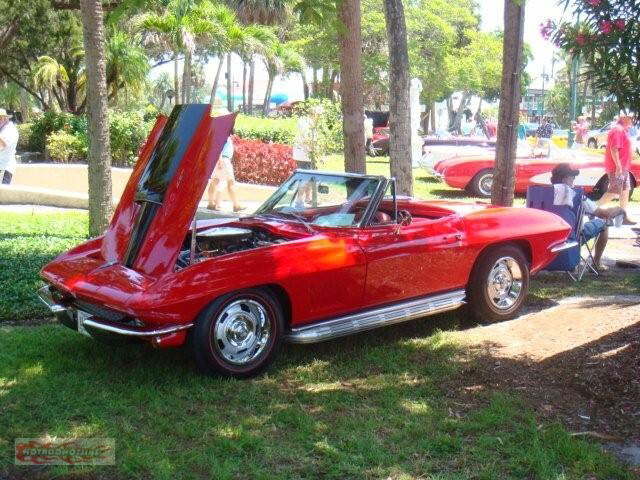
(581, 39)
(606, 26)
(594, 3)
(620, 24)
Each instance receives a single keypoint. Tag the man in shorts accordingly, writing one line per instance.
(224, 178)
(617, 161)
(562, 178)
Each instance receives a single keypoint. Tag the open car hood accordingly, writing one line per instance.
(159, 202)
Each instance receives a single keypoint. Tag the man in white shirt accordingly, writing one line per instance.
(8, 144)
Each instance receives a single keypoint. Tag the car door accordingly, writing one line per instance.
(413, 260)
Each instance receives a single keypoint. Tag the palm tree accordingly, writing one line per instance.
(258, 12)
(127, 63)
(281, 59)
(399, 106)
(52, 77)
(99, 157)
(352, 86)
(510, 96)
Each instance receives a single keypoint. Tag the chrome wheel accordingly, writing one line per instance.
(485, 182)
(504, 283)
(242, 331)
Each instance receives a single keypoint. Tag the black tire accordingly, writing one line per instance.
(482, 307)
(592, 143)
(479, 185)
(207, 349)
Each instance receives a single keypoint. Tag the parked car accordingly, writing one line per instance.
(474, 173)
(436, 149)
(327, 255)
(379, 145)
(597, 137)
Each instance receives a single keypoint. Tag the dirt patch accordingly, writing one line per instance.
(577, 362)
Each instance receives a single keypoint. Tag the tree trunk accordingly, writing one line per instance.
(214, 87)
(351, 86)
(315, 82)
(433, 118)
(510, 96)
(244, 87)
(325, 82)
(457, 122)
(176, 83)
(99, 158)
(450, 112)
(186, 78)
(267, 96)
(252, 72)
(305, 85)
(399, 101)
(229, 92)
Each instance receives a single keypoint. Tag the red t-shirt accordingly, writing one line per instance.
(618, 138)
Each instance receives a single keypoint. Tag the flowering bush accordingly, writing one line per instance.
(607, 41)
(262, 163)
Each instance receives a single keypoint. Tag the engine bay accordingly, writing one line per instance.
(216, 241)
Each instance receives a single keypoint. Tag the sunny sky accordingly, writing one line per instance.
(537, 11)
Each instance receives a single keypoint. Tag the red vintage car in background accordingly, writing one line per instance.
(326, 255)
(474, 173)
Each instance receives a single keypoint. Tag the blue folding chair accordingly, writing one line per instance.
(570, 260)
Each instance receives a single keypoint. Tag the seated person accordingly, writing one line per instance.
(562, 178)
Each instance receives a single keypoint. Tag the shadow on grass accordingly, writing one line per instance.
(381, 404)
(431, 180)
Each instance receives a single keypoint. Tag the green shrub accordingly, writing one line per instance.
(331, 134)
(48, 123)
(63, 147)
(24, 139)
(127, 130)
(276, 130)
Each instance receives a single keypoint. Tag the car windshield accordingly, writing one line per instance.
(322, 200)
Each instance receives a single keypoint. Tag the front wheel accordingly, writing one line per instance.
(480, 185)
(498, 285)
(238, 335)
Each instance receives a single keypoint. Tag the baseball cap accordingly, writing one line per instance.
(561, 171)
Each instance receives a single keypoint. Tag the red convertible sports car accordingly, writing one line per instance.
(326, 255)
(474, 173)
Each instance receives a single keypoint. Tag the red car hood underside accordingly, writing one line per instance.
(169, 179)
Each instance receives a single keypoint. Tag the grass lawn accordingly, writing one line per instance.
(367, 406)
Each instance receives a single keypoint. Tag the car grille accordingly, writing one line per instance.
(99, 311)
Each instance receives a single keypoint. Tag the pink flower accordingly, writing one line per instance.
(620, 24)
(594, 3)
(606, 26)
(581, 39)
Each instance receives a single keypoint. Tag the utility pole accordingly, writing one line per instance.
(575, 68)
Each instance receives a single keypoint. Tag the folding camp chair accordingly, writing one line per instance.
(572, 261)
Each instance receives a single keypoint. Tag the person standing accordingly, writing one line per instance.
(545, 130)
(580, 128)
(617, 160)
(223, 176)
(8, 143)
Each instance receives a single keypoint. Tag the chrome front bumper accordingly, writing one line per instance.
(69, 317)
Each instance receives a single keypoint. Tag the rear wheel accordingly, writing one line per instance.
(498, 285)
(480, 185)
(238, 335)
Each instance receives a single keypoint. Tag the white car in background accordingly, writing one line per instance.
(597, 138)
